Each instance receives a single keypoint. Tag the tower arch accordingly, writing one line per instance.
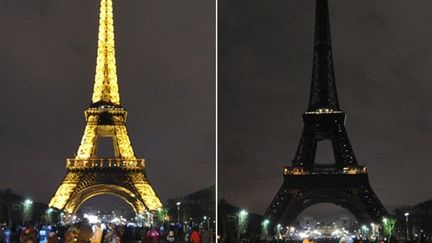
(86, 194)
(342, 199)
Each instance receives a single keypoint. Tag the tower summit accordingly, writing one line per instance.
(323, 89)
(89, 174)
(105, 89)
(306, 183)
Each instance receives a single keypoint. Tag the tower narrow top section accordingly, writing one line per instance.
(105, 89)
(323, 90)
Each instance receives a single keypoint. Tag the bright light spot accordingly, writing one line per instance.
(115, 220)
(93, 219)
(303, 235)
(406, 214)
(243, 213)
(28, 202)
(178, 203)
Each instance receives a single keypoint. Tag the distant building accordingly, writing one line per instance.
(308, 222)
(346, 221)
(194, 209)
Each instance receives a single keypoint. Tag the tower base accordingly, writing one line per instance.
(88, 178)
(346, 187)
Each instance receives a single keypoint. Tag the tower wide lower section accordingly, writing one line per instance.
(348, 187)
(88, 178)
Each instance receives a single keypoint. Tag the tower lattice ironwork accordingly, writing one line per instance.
(344, 183)
(89, 175)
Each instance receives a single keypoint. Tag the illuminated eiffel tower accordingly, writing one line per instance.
(123, 174)
(306, 183)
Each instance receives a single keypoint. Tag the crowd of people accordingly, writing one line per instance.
(83, 232)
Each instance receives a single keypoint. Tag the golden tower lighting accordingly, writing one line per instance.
(89, 175)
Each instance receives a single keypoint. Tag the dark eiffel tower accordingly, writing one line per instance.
(306, 183)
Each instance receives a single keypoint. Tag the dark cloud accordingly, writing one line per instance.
(165, 62)
(383, 67)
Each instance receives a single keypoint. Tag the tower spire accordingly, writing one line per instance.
(323, 89)
(105, 89)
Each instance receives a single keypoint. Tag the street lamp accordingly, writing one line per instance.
(207, 221)
(48, 214)
(365, 231)
(178, 211)
(406, 220)
(26, 209)
(265, 225)
(242, 215)
(279, 230)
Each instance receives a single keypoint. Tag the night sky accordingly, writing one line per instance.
(382, 52)
(166, 71)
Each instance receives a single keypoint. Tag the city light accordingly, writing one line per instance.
(115, 220)
(406, 224)
(28, 202)
(303, 235)
(243, 213)
(242, 222)
(93, 219)
(178, 211)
